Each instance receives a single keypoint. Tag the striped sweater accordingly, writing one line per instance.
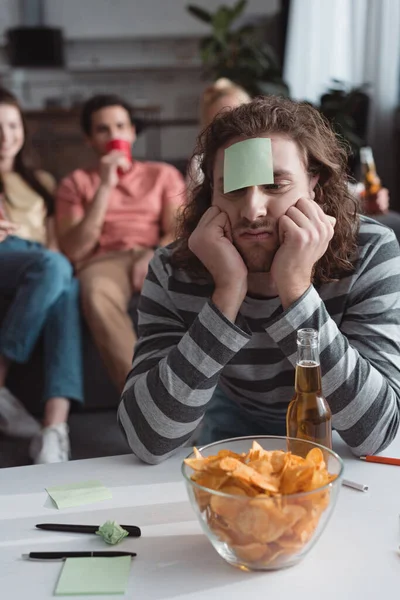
(187, 346)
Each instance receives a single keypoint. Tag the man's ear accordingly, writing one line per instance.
(313, 182)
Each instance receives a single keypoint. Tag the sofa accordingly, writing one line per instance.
(94, 430)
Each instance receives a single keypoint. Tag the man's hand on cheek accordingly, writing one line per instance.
(304, 233)
(211, 242)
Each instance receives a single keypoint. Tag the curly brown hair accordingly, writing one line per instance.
(323, 154)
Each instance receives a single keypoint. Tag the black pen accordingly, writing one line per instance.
(132, 530)
(64, 555)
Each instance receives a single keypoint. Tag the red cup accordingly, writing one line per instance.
(124, 147)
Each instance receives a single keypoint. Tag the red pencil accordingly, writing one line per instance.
(382, 459)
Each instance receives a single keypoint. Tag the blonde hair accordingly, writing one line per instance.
(222, 88)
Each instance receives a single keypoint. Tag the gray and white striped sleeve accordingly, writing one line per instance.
(360, 359)
(175, 369)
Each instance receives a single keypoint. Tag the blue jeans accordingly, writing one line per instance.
(45, 300)
(226, 419)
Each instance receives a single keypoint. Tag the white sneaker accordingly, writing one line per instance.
(15, 420)
(51, 445)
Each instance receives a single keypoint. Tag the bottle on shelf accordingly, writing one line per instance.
(371, 181)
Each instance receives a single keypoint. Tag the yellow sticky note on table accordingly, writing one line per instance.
(248, 163)
(76, 494)
(94, 575)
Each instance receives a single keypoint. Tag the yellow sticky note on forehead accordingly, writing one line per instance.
(248, 163)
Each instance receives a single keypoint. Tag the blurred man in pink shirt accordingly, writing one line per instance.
(109, 222)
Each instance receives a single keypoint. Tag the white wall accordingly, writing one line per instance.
(142, 18)
(8, 16)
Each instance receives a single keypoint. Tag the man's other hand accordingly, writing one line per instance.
(304, 233)
(109, 165)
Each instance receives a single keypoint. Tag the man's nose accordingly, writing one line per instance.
(255, 204)
(115, 134)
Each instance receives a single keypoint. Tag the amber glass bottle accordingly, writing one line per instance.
(309, 416)
(371, 180)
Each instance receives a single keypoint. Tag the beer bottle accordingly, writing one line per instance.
(371, 181)
(309, 416)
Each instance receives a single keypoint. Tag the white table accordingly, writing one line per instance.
(357, 556)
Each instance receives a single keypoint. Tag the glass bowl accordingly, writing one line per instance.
(264, 533)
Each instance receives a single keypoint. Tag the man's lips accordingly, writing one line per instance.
(256, 234)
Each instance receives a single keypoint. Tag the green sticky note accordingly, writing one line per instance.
(248, 163)
(94, 575)
(75, 494)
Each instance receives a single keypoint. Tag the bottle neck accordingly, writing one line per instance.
(367, 161)
(307, 353)
(308, 370)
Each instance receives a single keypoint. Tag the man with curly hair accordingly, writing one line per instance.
(221, 307)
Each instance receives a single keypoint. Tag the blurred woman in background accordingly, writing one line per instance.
(221, 95)
(43, 295)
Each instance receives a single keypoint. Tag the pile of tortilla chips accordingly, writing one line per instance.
(262, 523)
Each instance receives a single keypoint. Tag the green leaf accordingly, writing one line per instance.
(209, 52)
(244, 31)
(199, 13)
(222, 20)
(237, 53)
(238, 8)
(205, 41)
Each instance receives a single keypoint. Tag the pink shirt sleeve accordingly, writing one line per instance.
(69, 201)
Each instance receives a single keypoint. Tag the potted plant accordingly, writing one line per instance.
(238, 52)
(347, 110)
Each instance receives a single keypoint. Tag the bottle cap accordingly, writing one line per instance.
(307, 337)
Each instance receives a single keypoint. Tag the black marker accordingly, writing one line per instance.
(132, 530)
(65, 555)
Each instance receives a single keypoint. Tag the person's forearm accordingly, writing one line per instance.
(52, 242)
(167, 393)
(229, 301)
(291, 294)
(80, 240)
(360, 390)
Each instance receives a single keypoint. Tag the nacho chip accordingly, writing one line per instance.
(296, 478)
(237, 469)
(253, 552)
(290, 542)
(228, 508)
(261, 520)
(272, 555)
(315, 457)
